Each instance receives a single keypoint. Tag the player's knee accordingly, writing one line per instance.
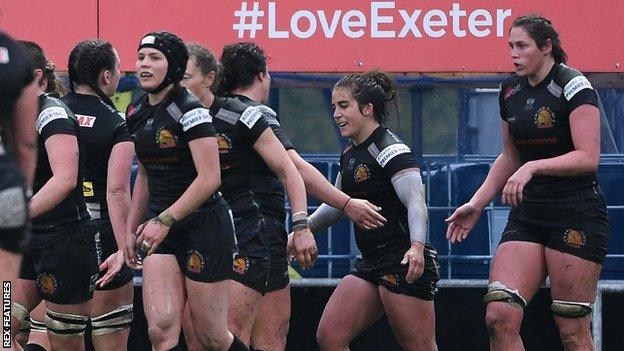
(66, 324)
(162, 331)
(328, 339)
(501, 319)
(213, 341)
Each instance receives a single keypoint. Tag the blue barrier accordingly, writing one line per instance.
(450, 182)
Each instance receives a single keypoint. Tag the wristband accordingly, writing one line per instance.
(166, 218)
(345, 204)
(300, 216)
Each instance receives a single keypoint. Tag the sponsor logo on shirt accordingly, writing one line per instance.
(390, 152)
(361, 174)
(574, 238)
(85, 121)
(511, 91)
(575, 85)
(554, 89)
(48, 115)
(529, 104)
(87, 189)
(544, 118)
(250, 116)
(166, 139)
(195, 117)
(4, 55)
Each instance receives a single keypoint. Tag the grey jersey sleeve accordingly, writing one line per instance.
(409, 189)
(325, 216)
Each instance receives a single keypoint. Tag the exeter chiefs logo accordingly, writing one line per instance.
(194, 262)
(166, 139)
(362, 173)
(544, 118)
(574, 238)
(224, 143)
(390, 279)
(47, 283)
(240, 265)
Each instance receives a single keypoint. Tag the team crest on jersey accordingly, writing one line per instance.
(194, 262)
(166, 139)
(511, 91)
(544, 118)
(224, 142)
(391, 279)
(47, 283)
(240, 265)
(361, 173)
(574, 238)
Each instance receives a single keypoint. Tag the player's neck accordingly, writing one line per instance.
(251, 92)
(84, 90)
(539, 76)
(365, 133)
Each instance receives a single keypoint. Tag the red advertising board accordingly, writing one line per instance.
(56, 25)
(339, 35)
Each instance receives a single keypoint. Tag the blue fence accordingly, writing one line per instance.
(450, 182)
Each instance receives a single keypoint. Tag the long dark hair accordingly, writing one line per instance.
(540, 29)
(87, 60)
(374, 87)
(34, 53)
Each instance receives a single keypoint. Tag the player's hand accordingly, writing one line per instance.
(150, 234)
(512, 192)
(113, 265)
(461, 222)
(415, 258)
(304, 247)
(364, 214)
(130, 256)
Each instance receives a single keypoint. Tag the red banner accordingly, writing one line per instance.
(338, 35)
(56, 25)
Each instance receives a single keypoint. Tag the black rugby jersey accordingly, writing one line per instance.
(161, 134)
(238, 126)
(15, 74)
(366, 171)
(539, 125)
(101, 128)
(56, 118)
(268, 190)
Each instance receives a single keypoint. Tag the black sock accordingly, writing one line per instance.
(238, 345)
(34, 347)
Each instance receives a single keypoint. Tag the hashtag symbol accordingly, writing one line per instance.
(243, 15)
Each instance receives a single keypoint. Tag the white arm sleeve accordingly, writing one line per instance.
(325, 216)
(408, 186)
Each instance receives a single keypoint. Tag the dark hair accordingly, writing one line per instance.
(174, 50)
(55, 85)
(374, 87)
(204, 59)
(87, 60)
(34, 53)
(541, 29)
(240, 63)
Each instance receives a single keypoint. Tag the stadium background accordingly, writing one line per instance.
(448, 114)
